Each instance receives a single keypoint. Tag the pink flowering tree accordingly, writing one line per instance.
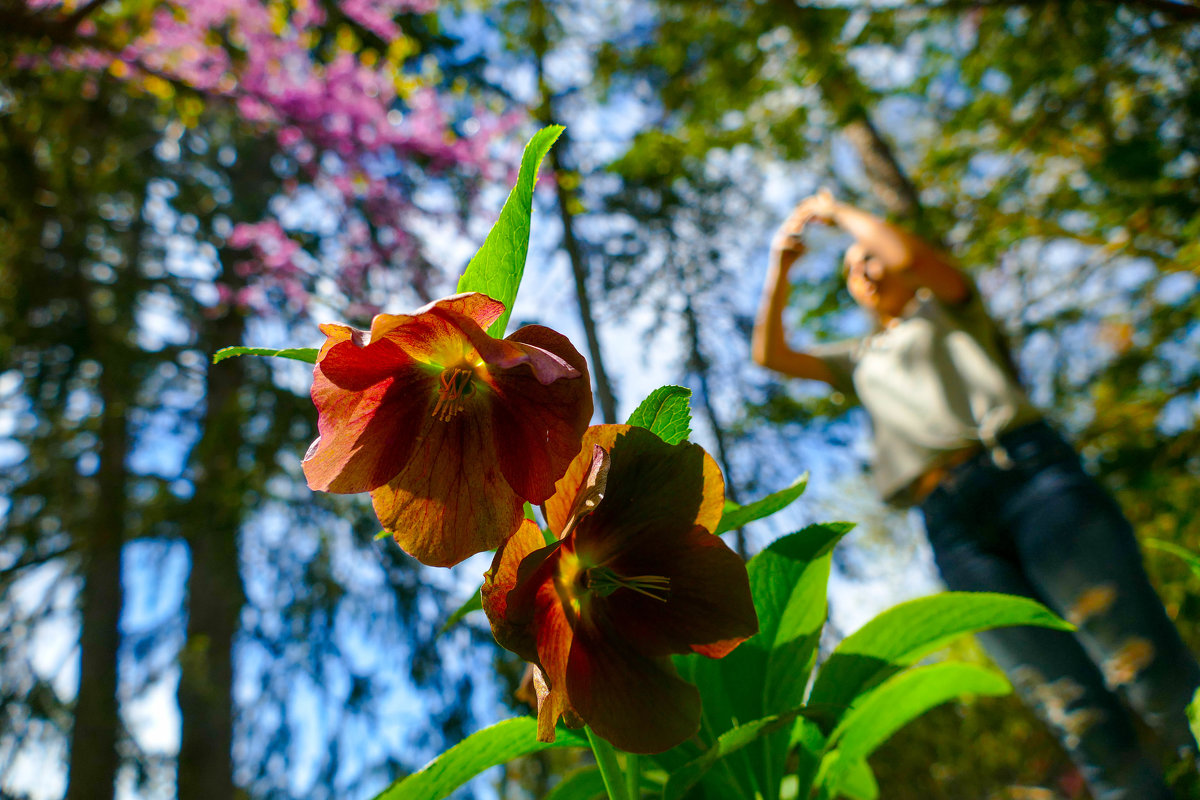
(288, 143)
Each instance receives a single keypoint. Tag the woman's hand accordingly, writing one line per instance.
(820, 207)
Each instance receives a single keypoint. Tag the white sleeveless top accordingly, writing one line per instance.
(933, 383)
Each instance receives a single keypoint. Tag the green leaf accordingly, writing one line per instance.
(685, 777)
(665, 413)
(497, 268)
(788, 581)
(1192, 560)
(473, 603)
(736, 516)
(857, 781)
(585, 784)
(769, 673)
(482, 750)
(905, 633)
(1193, 715)
(306, 354)
(906, 696)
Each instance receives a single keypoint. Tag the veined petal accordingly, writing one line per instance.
(558, 507)
(369, 421)
(450, 500)
(555, 635)
(652, 486)
(513, 631)
(639, 704)
(538, 423)
(479, 308)
(708, 606)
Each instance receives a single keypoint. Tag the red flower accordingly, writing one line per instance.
(636, 576)
(449, 429)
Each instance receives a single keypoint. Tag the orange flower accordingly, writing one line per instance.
(635, 576)
(449, 429)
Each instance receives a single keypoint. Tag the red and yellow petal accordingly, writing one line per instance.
(371, 401)
(559, 506)
(651, 486)
(478, 308)
(708, 608)
(513, 627)
(450, 500)
(539, 411)
(639, 704)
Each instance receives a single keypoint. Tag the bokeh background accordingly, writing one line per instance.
(181, 617)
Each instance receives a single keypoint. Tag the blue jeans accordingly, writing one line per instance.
(1044, 529)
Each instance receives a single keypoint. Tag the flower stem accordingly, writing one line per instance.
(633, 776)
(610, 768)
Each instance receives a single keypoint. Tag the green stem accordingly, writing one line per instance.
(610, 768)
(633, 776)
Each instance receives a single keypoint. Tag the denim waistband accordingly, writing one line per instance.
(1028, 448)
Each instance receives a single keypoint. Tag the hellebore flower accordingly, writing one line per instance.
(635, 576)
(449, 429)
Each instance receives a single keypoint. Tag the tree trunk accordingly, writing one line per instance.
(215, 591)
(845, 95)
(94, 759)
(604, 390)
(539, 22)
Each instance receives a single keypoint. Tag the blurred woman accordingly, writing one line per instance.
(1007, 506)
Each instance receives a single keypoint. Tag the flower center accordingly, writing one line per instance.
(603, 581)
(456, 387)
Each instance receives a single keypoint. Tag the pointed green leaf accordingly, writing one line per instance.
(905, 633)
(497, 268)
(736, 516)
(482, 750)
(856, 780)
(1190, 558)
(585, 784)
(473, 603)
(733, 740)
(306, 354)
(769, 673)
(1193, 715)
(898, 701)
(665, 413)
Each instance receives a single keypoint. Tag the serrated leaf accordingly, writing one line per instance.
(497, 268)
(665, 413)
(1190, 558)
(473, 603)
(905, 633)
(305, 354)
(497, 744)
(736, 516)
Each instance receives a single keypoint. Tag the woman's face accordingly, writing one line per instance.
(872, 286)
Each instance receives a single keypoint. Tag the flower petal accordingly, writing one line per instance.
(450, 500)
(637, 703)
(512, 631)
(555, 635)
(479, 308)
(371, 401)
(559, 507)
(538, 423)
(652, 487)
(708, 609)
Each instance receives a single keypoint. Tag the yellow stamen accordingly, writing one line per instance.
(456, 385)
(603, 581)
